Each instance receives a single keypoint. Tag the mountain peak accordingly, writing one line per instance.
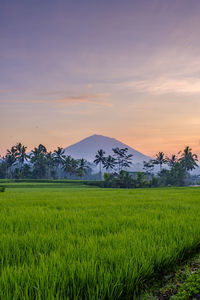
(88, 147)
(99, 137)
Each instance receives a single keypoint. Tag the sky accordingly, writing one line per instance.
(125, 69)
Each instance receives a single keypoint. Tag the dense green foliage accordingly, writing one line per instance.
(125, 180)
(190, 288)
(176, 175)
(41, 164)
(81, 243)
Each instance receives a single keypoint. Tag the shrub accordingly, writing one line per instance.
(109, 180)
(2, 189)
(98, 183)
(154, 182)
(190, 288)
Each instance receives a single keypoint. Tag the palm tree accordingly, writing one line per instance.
(82, 167)
(50, 164)
(188, 159)
(171, 160)
(59, 155)
(3, 168)
(69, 165)
(160, 159)
(38, 159)
(109, 163)
(21, 154)
(10, 159)
(36, 152)
(99, 159)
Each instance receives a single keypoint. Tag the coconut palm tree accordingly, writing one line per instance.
(188, 159)
(59, 155)
(171, 160)
(69, 165)
(50, 164)
(160, 159)
(99, 160)
(21, 154)
(82, 167)
(38, 159)
(10, 160)
(41, 149)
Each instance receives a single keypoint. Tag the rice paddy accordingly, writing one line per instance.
(92, 243)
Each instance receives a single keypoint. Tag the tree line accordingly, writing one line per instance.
(176, 171)
(42, 164)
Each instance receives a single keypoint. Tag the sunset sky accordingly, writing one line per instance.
(126, 69)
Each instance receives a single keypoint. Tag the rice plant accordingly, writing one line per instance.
(82, 243)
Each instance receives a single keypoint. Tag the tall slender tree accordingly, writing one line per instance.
(3, 168)
(38, 159)
(82, 167)
(123, 159)
(10, 160)
(99, 160)
(59, 157)
(160, 159)
(50, 165)
(69, 165)
(171, 160)
(188, 159)
(21, 154)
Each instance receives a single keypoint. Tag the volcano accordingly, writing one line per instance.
(88, 147)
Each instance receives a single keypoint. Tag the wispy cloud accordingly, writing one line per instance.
(161, 86)
(98, 99)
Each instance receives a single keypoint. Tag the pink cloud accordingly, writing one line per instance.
(99, 99)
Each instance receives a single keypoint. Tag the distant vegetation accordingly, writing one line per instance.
(41, 164)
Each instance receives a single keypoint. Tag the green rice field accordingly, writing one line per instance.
(75, 242)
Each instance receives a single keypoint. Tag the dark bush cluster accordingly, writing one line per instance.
(124, 180)
(2, 189)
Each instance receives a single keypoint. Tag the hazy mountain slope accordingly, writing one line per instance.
(87, 148)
